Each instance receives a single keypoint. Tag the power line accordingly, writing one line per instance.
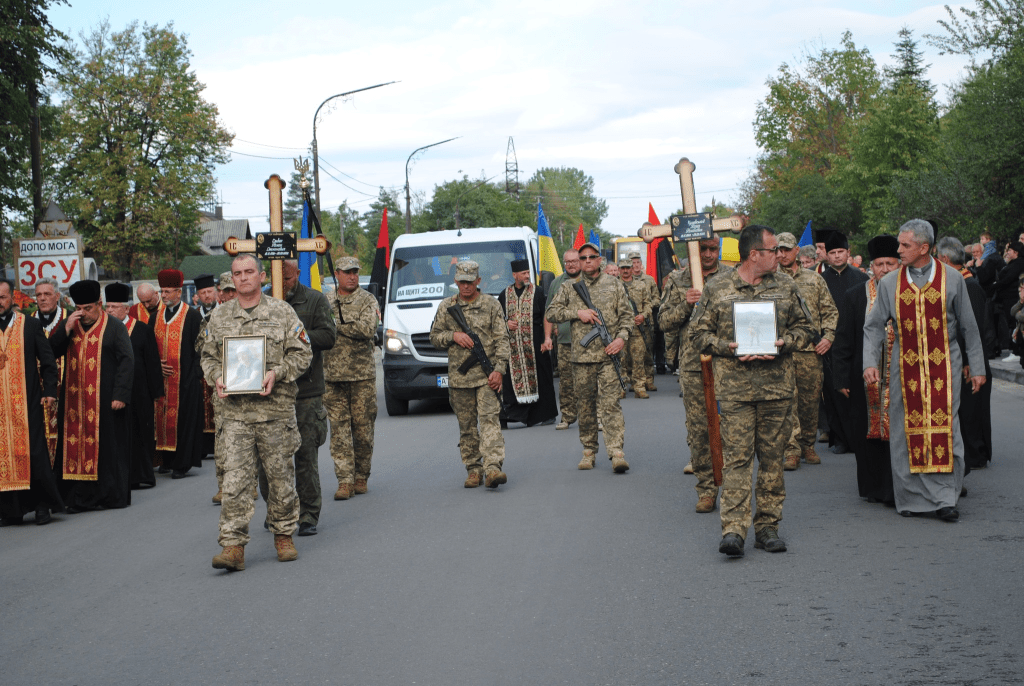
(262, 157)
(344, 174)
(265, 145)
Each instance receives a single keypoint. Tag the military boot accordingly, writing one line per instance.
(811, 457)
(217, 498)
(688, 469)
(344, 492)
(619, 464)
(588, 460)
(286, 551)
(768, 539)
(231, 558)
(495, 478)
(640, 392)
(705, 504)
(650, 385)
(360, 486)
(791, 463)
(472, 480)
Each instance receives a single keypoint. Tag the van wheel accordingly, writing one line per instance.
(396, 406)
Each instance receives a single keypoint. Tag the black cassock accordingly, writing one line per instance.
(42, 485)
(117, 369)
(189, 451)
(836, 406)
(148, 385)
(976, 408)
(546, 407)
(874, 468)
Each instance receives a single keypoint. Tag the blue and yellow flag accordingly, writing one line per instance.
(807, 238)
(309, 271)
(595, 238)
(549, 261)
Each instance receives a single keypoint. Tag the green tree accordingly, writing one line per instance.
(567, 195)
(137, 144)
(369, 224)
(467, 203)
(991, 29)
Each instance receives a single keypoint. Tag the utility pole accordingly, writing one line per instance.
(511, 170)
(408, 195)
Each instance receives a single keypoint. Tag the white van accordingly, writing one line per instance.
(421, 275)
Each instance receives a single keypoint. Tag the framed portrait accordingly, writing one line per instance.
(754, 328)
(244, 363)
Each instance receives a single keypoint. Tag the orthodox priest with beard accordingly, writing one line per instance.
(178, 414)
(930, 308)
(148, 384)
(867, 422)
(28, 382)
(93, 462)
(528, 387)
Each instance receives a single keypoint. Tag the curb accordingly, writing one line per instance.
(1007, 371)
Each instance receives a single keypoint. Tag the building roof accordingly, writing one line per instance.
(194, 265)
(217, 231)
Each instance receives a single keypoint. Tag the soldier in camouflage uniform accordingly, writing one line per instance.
(473, 394)
(755, 392)
(677, 303)
(566, 387)
(225, 292)
(643, 277)
(807, 360)
(257, 426)
(597, 385)
(352, 380)
(315, 314)
(639, 296)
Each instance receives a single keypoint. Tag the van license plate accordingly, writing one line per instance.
(442, 381)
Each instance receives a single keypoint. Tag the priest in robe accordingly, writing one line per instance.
(929, 306)
(206, 297)
(50, 313)
(179, 413)
(93, 450)
(528, 387)
(867, 422)
(149, 302)
(147, 385)
(28, 382)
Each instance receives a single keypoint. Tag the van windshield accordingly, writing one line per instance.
(428, 272)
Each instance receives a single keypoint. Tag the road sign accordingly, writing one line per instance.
(58, 258)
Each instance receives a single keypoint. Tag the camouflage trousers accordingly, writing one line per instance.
(244, 444)
(761, 427)
(697, 437)
(633, 360)
(566, 385)
(312, 421)
(809, 375)
(352, 407)
(598, 390)
(480, 441)
(648, 351)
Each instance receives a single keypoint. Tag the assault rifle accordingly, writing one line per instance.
(642, 327)
(477, 356)
(599, 329)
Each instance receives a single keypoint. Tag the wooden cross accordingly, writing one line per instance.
(276, 248)
(691, 227)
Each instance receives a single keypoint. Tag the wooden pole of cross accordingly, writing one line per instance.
(278, 245)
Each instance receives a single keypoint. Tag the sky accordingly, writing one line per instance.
(619, 90)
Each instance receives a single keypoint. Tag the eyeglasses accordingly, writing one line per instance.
(590, 257)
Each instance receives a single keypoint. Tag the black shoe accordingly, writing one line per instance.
(43, 515)
(13, 521)
(840, 449)
(177, 474)
(768, 539)
(163, 470)
(731, 545)
(963, 491)
(307, 529)
(266, 525)
(504, 424)
(948, 514)
(907, 513)
(547, 422)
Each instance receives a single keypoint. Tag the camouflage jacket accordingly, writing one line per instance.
(609, 296)
(640, 294)
(287, 352)
(315, 314)
(713, 330)
(675, 311)
(351, 358)
(652, 287)
(564, 328)
(485, 317)
(824, 313)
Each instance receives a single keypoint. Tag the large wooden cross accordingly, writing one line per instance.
(691, 227)
(279, 247)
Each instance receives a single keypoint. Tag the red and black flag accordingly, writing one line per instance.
(382, 258)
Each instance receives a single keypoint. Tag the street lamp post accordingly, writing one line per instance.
(408, 196)
(316, 162)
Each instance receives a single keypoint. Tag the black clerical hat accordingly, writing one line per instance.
(85, 292)
(117, 293)
(836, 241)
(883, 246)
(520, 266)
(204, 281)
(821, 235)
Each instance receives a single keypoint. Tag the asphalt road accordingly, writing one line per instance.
(559, 577)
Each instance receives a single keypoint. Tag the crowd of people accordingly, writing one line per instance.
(891, 364)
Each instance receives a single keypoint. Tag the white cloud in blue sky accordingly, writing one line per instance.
(619, 90)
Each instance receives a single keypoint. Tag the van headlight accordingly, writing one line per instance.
(396, 343)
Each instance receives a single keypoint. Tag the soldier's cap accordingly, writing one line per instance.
(203, 281)
(467, 270)
(591, 246)
(635, 255)
(346, 263)
(226, 282)
(786, 240)
(626, 263)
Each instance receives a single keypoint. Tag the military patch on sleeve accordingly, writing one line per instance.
(301, 331)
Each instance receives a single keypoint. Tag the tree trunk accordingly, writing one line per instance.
(37, 158)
